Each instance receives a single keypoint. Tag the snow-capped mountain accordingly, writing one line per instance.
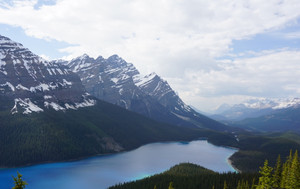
(254, 108)
(34, 84)
(118, 82)
(47, 115)
(109, 80)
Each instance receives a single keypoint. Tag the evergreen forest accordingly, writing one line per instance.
(285, 174)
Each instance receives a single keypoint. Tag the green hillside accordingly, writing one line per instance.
(285, 174)
(104, 128)
(189, 176)
(255, 148)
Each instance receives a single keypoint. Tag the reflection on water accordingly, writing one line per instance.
(103, 171)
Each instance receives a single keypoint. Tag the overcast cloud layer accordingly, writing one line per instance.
(183, 41)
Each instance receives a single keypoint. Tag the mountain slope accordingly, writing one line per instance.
(35, 84)
(55, 135)
(118, 82)
(191, 176)
(46, 115)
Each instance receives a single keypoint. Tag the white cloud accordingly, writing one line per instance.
(274, 75)
(292, 35)
(179, 40)
(45, 57)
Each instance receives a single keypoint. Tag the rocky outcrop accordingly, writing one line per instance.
(35, 84)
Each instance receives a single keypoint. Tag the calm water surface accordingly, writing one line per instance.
(103, 171)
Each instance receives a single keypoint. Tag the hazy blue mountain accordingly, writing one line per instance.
(280, 120)
(253, 108)
(276, 115)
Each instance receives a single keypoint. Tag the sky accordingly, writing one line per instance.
(210, 52)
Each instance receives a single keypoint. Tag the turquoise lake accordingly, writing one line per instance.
(107, 170)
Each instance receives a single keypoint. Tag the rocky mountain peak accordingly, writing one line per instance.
(116, 61)
(34, 84)
(118, 82)
(7, 43)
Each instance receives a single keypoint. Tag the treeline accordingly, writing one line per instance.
(284, 175)
(190, 176)
(57, 136)
(254, 149)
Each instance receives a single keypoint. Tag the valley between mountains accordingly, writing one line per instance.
(61, 110)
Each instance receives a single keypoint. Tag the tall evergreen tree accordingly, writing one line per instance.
(253, 186)
(265, 181)
(293, 179)
(243, 185)
(277, 173)
(171, 185)
(286, 171)
(225, 185)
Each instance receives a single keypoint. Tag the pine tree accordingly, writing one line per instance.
(293, 179)
(265, 180)
(19, 183)
(284, 174)
(253, 186)
(225, 185)
(239, 185)
(243, 185)
(171, 185)
(286, 171)
(277, 174)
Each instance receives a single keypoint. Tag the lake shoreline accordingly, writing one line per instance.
(111, 168)
(105, 154)
(229, 161)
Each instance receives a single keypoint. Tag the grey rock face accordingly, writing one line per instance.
(35, 84)
(118, 82)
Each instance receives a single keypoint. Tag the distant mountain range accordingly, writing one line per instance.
(262, 114)
(47, 114)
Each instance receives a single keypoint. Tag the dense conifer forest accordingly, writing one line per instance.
(58, 136)
(284, 175)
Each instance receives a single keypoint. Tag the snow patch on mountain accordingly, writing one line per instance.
(140, 81)
(264, 103)
(85, 103)
(12, 88)
(286, 103)
(26, 77)
(46, 97)
(54, 105)
(21, 87)
(70, 106)
(26, 105)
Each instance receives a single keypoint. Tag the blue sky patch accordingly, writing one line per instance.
(288, 37)
(49, 48)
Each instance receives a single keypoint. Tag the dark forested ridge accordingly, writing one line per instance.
(254, 148)
(190, 176)
(104, 128)
(285, 174)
